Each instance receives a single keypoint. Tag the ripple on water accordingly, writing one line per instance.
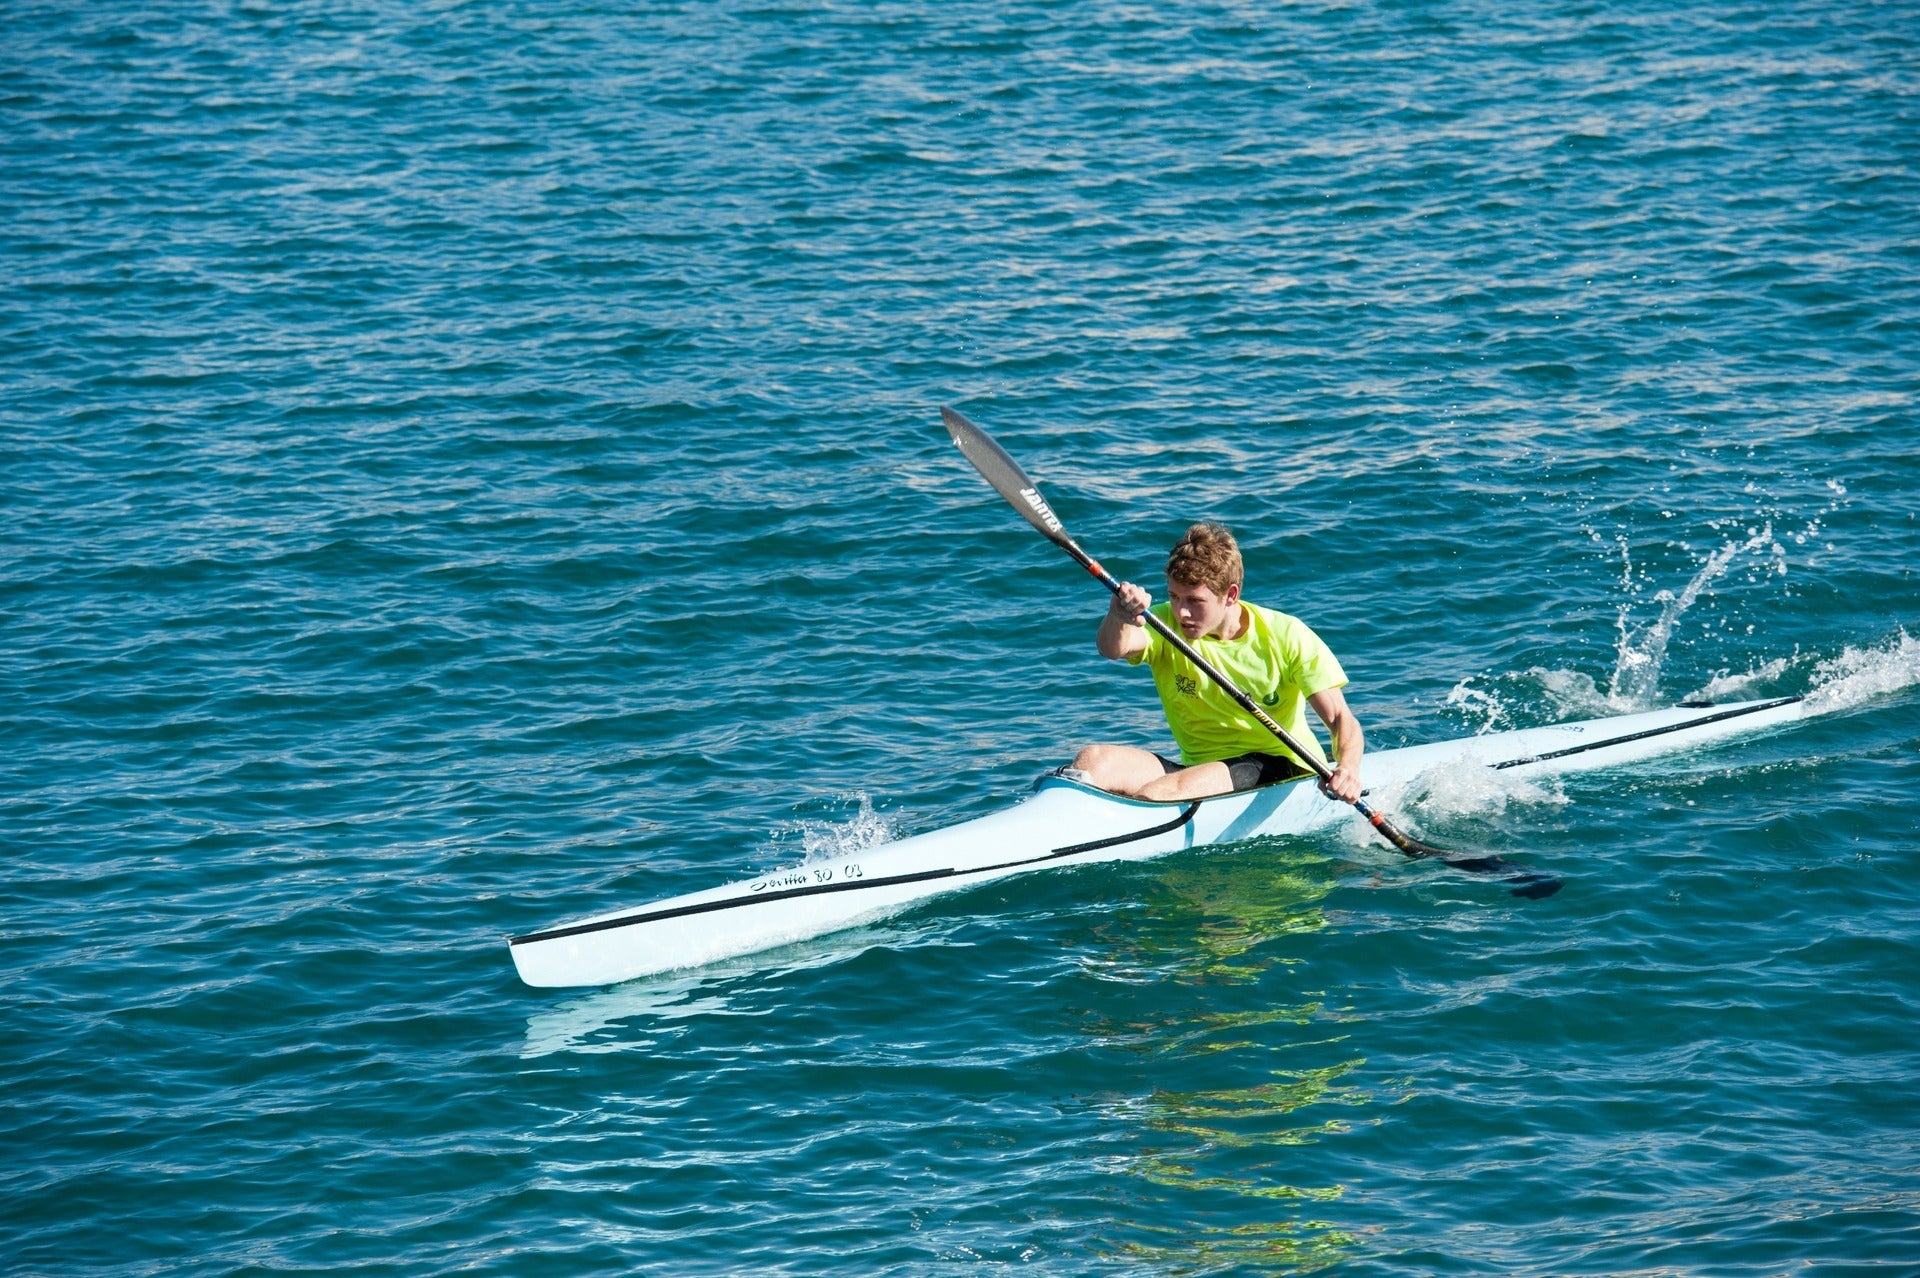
(470, 467)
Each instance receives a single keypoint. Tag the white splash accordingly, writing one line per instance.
(832, 840)
(1572, 694)
(1858, 675)
(1472, 789)
(1636, 670)
(1568, 694)
(1483, 704)
(1736, 687)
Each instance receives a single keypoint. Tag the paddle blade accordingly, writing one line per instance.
(1004, 473)
(1521, 881)
(1534, 886)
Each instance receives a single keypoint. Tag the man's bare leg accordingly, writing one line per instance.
(1196, 782)
(1139, 774)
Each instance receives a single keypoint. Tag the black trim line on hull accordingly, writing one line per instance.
(1114, 842)
(892, 880)
(1650, 732)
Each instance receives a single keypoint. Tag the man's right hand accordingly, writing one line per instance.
(1122, 632)
(1129, 602)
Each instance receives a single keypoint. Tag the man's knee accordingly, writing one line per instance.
(1121, 769)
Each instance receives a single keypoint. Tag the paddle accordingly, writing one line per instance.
(1014, 484)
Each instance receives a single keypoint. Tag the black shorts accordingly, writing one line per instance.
(1250, 770)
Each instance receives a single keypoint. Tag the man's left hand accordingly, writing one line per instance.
(1344, 785)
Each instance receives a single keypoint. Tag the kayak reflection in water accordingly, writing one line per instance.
(1277, 659)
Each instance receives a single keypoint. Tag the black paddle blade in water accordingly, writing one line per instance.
(1531, 884)
(1521, 881)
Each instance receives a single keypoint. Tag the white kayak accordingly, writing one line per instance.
(1067, 823)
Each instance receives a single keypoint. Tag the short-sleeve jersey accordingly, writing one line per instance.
(1277, 660)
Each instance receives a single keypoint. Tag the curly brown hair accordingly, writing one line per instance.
(1206, 556)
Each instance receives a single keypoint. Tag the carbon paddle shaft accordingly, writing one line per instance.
(1023, 494)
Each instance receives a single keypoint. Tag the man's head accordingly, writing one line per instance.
(1207, 556)
(1204, 575)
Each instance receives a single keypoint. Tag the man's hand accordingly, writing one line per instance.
(1344, 784)
(1122, 632)
(1349, 743)
(1128, 603)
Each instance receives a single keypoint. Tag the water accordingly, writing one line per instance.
(471, 466)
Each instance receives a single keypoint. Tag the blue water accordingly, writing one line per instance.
(471, 466)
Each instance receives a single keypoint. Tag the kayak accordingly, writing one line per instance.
(1064, 822)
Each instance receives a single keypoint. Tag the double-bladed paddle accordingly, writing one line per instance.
(1014, 484)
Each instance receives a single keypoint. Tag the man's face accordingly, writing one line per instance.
(1198, 609)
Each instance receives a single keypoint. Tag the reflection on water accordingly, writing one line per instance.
(1219, 1065)
(1215, 918)
(638, 1015)
(1212, 976)
(1227, 1151)
(1218, 1116)
(1259, 1248)
(605, 1021)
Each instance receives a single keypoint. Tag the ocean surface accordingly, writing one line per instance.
(471, 466)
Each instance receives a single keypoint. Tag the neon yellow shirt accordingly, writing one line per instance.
(1277, 660)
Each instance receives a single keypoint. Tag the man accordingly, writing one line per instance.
(1273, 658)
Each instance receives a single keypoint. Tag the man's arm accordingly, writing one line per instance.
(1122, 633)
(1349, 743)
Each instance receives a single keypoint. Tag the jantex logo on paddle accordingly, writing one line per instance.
(1040, 508)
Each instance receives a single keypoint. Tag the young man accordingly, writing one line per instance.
(1273, 658)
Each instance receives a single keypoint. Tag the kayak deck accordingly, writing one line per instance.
(1064, 822)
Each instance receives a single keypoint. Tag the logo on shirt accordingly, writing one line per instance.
(1272, 698)
(1187, 685)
